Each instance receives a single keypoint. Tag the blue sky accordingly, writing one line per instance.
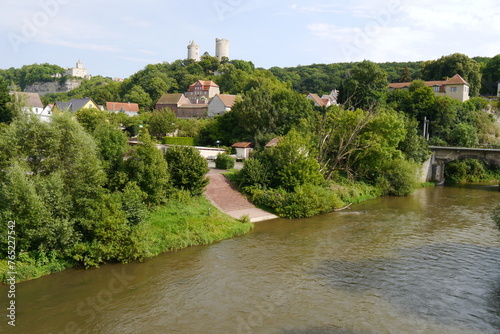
(117, 38)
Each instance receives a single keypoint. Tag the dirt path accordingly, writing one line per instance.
(225, 197)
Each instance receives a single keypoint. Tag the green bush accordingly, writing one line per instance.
(254, 174)
(397, 178)
(305, 201)
(224, 161)
(468, 170)
(187, 168)
(184, 141)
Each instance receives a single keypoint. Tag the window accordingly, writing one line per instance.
(436, 88)
(453, 89)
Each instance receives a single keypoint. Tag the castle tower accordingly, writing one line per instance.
(221, 48)
(193, 51)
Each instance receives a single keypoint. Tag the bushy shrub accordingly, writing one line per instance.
(468, 170)
(397, 178)
(254, 174)
(305, 201)
(187, 168)
(224, 161)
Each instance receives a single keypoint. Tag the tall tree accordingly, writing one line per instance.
(6, 114)
(491, 76)
(365, 86)
(405, 75)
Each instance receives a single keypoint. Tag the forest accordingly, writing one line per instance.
(82, 195)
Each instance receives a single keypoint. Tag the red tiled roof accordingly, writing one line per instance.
(242, 145)
(119, 106)
(204, 83)
(455, 80)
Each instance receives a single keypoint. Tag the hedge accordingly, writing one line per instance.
(186, 141)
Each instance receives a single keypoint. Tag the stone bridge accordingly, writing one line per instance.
(434, 168)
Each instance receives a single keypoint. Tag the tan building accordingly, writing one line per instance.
(202, 91)
(455, 87)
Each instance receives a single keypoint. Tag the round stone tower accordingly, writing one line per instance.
(193, 51)
(221, 48)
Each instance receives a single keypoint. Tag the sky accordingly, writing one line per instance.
(117, 38)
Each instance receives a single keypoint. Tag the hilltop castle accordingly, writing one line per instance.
(221, 49)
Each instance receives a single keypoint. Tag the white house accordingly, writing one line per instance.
(220, 104)
(243, 150)
(32, 104)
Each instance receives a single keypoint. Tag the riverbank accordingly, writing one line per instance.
(181, 223)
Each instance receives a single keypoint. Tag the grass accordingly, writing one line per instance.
(188, 223)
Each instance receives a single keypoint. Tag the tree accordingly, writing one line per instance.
(90, 118)
(112, 146)
(448, 66)
(295, 163)
(356, 142)
(187, 168)
(405, 75)
(364, 87)
(491, 76)
(6, 114)
(137, 95)
(162, 122)
(146, 166)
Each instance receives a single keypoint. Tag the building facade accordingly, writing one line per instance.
(455, 87)
(79, 71)
(202, 91)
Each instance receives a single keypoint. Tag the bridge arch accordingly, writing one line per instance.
(442, 155)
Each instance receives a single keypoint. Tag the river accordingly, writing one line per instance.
(427, 263)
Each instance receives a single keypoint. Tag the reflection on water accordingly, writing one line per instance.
(428, 263)
(445, 283)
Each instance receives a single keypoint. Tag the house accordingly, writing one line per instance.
(202, 91)
(172, 101)
(243, 150)
(325, 100)
(75, 104)
(220, 104)
(455, 87)
(131, 109)
(32, 104)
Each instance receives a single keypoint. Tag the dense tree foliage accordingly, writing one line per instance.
(29, 74)
(364, 86)
(187, 168)
(6, 113)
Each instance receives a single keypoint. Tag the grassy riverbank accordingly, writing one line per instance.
(181, 223)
